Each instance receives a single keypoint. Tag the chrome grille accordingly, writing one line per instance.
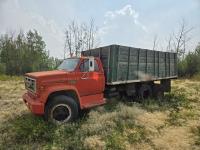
(30, 84)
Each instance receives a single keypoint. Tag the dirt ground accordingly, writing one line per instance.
(165, 128)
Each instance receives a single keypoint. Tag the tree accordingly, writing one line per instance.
(169, 44)
(190, 65)
(23, 53)
(197, 49)
(8, 54)
(155, 42)
(79, 37)
(178, 41)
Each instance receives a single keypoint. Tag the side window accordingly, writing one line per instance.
(96, 67)
(84, 67)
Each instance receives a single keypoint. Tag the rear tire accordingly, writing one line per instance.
(158, 92)
(61, 109)
(145, 92)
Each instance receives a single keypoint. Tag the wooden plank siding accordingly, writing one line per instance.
(124, 64)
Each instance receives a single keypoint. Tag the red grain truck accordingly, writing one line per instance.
(85, 82)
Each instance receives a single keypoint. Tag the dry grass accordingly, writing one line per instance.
(174, 138)
(172, 123)
(10, 99)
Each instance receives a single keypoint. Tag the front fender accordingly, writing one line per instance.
(57, 88)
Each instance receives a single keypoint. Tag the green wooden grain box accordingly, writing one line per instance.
(124, 64)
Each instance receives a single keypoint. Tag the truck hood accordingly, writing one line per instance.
(47, 73)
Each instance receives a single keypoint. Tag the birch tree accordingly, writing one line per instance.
(178, 40)
(79, 37)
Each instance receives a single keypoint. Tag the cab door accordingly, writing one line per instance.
(90, 78)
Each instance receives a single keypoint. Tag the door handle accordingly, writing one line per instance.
(84, 76)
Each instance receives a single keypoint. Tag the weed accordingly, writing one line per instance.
(196, 131)
(151, 105)
(176, 118)
(175, 104)
(116, 141)
(170, 101)
(26, 129)
(111, 105)
(176, 100)
(196, 77)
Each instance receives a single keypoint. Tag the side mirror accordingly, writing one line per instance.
(91, 64)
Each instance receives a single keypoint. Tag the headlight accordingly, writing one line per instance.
(30, 84)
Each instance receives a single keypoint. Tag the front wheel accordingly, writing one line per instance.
(61, 109)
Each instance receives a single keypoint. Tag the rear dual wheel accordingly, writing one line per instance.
(145, 92)
(158, 92)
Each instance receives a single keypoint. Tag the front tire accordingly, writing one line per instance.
(61, 109)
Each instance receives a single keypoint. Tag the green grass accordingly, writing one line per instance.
(111, 126)
(6, 78)
(114, 130)
(172, 102)
(115, 125)
(24, 130)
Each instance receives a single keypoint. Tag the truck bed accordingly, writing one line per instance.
(124, 64)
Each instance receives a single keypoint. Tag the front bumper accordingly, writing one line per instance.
(35, 106)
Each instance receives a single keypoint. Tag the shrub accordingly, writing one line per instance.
(6, 77)
(190, 65)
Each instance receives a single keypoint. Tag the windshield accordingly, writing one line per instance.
(69, 64)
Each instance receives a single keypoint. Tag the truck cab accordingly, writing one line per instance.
(59, 95)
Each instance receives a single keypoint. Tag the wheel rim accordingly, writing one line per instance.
(61, 113)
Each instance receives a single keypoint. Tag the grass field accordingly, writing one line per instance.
(173, 123)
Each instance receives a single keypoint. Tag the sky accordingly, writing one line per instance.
(129, 22)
